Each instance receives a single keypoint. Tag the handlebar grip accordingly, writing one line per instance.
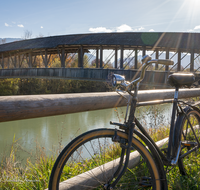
(165, 61)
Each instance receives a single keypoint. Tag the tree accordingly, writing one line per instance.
(108, 65)
(85, 61)
(3, 41)
(93, 63)
(27, 35)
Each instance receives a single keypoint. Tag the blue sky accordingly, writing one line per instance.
(61, 17)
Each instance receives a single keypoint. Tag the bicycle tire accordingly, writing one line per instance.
(185, 134)
(97, 170)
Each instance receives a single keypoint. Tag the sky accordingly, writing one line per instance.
(63, 17)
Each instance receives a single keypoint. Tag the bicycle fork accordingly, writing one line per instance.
(122, 167)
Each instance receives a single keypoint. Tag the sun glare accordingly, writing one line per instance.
(193, 5)
(191, 10)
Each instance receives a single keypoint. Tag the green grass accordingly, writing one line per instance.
(36, 175)
(29, 176)
(189, 182)
(192, 162)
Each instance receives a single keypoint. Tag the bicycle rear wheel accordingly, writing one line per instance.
(188, 140)
(90, 161)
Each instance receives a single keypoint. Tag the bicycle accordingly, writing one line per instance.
(127, 158)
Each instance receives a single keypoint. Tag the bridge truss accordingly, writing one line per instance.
(40, 53)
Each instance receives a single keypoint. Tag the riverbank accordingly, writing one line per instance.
(32, 86)
(36, 175)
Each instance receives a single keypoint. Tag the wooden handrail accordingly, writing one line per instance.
(33, 106)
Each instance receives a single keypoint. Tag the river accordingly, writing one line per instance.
(48, 135)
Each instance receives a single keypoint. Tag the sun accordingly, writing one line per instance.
(193, 4)
(190, 10)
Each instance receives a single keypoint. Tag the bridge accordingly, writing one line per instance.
(111, 53)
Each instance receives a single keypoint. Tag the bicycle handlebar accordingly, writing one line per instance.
(163, 61)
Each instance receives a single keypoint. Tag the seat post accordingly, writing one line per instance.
(171, 136)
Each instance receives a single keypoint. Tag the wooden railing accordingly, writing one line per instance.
(33, 106)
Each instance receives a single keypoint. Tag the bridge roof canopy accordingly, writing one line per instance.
(185, 42)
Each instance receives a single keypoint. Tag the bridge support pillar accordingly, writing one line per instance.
(8, 62)
(63, 57)
(136, 59)
(30, 60)
(192, 61)
(122, 57)
(15, 61)
(18, 58)
(101, 57)
(157, 56)
(45, 59)
(179, 61)
(167, 57)
(2, 61)
(80, 57)
(144, 51)
(116, 56)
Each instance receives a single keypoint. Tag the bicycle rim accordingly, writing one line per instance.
(189, 139)
(91, 159)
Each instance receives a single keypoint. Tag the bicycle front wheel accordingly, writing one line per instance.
(91, 160)
(188, 137)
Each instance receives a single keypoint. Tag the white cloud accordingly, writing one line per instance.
(197, 27)
(124, 28)
(41, 27)
(151, 30)
(99, 29)
(141, 28)
(20, 25)
(7, 25)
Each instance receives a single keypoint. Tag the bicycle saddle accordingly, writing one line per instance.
(181, 79)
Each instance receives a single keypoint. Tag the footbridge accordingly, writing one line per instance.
(97, 56)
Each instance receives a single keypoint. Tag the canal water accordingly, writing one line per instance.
(48, 135)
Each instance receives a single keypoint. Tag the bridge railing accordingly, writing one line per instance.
(156, 78)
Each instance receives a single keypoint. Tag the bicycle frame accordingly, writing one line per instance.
(171, 158)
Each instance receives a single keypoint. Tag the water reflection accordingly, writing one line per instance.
(49, 134)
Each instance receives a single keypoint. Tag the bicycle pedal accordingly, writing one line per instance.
(189, 144)
(145, 182)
